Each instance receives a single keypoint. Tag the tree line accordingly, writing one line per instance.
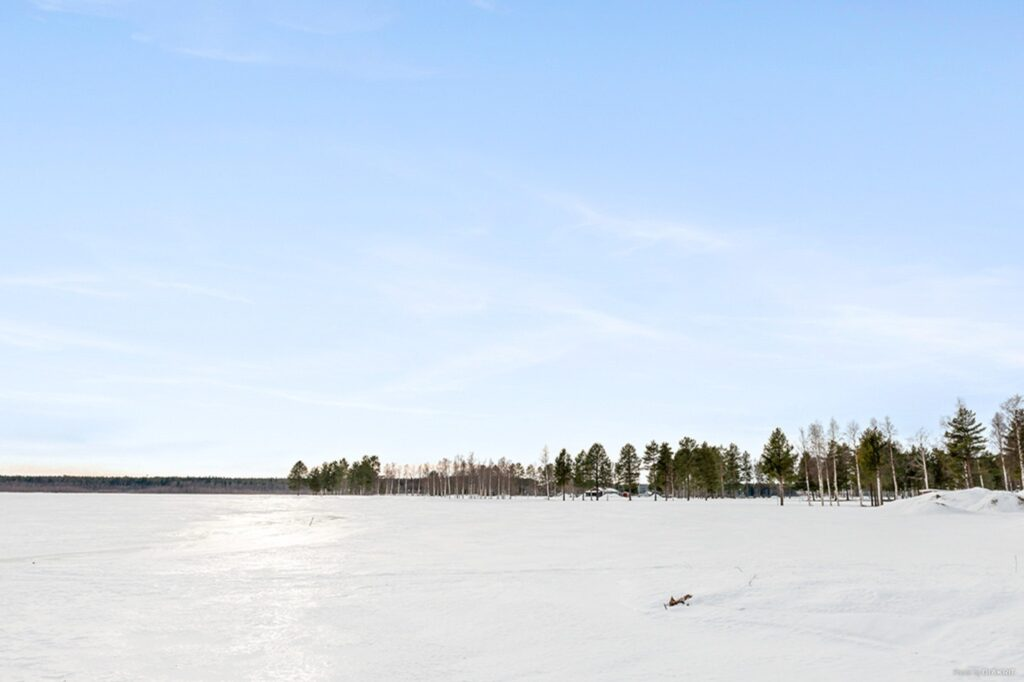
(827, 464)
(143, 484)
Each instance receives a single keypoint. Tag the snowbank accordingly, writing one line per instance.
(973, 500)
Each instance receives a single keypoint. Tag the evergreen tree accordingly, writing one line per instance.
(598, 466)
(605, 470)
(627, 469)
(682, 465)
(706, 470)
(563, 470)
(666, 470)
(964, 438)
(296, 476)
(732, 473)
(580, 475)
(778, 461)
(746, 471)
(340, 475)
(871, 457)
(364, 474)
(651, 465)
(843, 464)
(315, 480)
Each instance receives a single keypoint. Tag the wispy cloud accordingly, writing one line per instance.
(115, 286)
(303, 397)
(84, 285)
(928, 337)
(46, 338)
(606, 323)
(54, 398)
(646, 232)
(198, 290)
(101, 7)
(223, 55)
(297, 35)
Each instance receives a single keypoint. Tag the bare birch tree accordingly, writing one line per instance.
(1013, 408)
(816, 436)
(998, 438)
(922, 441)
(852, 436)
(544, 471)
(807, 464)
(890, 432)
(833, 447)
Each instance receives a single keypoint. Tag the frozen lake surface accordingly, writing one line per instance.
(154, 587)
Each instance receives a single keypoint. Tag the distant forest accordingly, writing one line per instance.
(147, 484)
(827, 463)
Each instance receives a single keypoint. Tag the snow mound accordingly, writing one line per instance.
(979, 500)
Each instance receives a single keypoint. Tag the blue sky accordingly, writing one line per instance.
(238, 234)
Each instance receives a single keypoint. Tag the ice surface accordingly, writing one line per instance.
(158, 587)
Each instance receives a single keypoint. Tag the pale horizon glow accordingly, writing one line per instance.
(239, 235)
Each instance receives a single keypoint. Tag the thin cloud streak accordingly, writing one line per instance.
(199, 290)
(285, 394)
(262, 35)
(84, 285)
(115, 287)
(45, 338)
(647, 232)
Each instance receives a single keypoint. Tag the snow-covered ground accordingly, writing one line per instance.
(153, 587)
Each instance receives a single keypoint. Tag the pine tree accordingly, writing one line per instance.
(296, 476)
(580, 477)
(778, 461)
(871, 457)
(706, 470)
(666, 470)
(732, 469)
(746, 471)
(563, 470)
(595, 464)
(964, 439)
(627, 469)
(682, 465)
(605, 470)
(315, 480)
(650, 463)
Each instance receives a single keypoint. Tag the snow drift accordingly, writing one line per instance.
(978, 500)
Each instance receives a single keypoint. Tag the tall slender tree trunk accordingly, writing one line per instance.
(835, 477)
(1020, 453)
(860, 489)
(821, 486)
(828, 484)
(878, 481)
(807, 479)
(892, 468)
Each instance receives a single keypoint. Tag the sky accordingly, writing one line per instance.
(238, 234)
